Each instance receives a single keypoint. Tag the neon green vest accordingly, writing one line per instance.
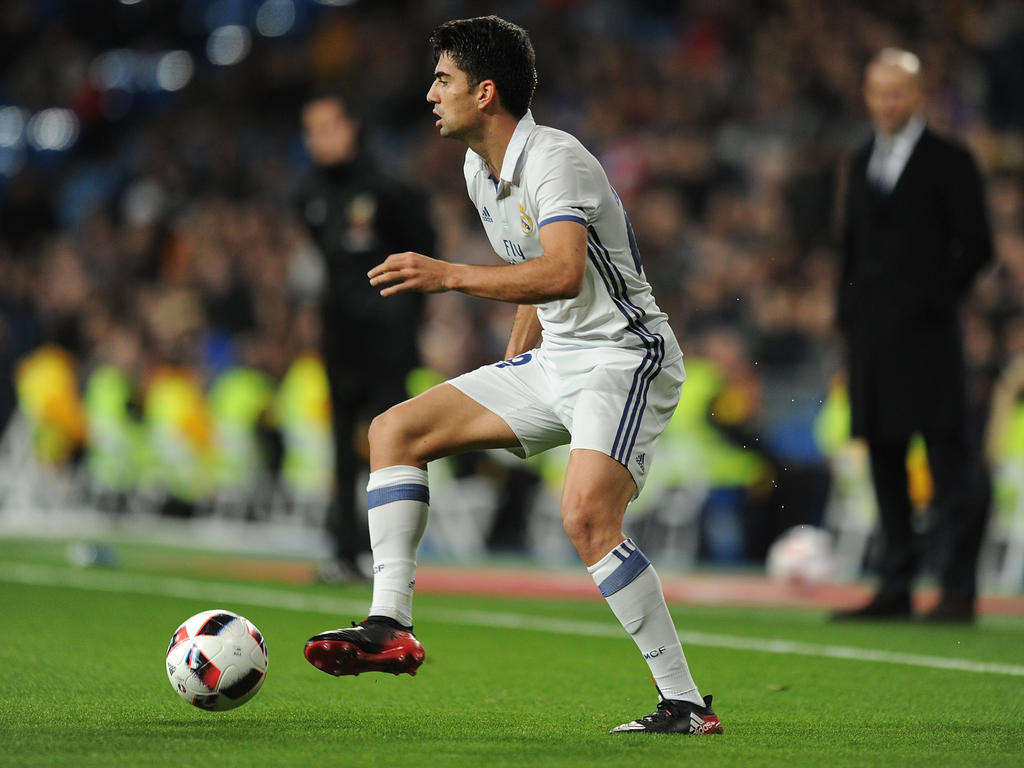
(303, 409)
(239, 399)
(116, 450)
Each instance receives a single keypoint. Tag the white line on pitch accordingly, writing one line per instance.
(114, 581)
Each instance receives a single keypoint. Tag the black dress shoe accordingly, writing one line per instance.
(951, 612)
(880, 608)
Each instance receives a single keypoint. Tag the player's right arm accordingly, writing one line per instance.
(556, 274)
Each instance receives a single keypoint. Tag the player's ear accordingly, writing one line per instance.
(486, 95)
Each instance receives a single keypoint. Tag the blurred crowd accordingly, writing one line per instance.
(153, 225)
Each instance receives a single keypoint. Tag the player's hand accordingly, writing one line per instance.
(410, 271)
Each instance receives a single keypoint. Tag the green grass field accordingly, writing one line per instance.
(506, 682)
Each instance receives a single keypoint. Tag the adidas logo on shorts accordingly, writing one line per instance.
(640, 460)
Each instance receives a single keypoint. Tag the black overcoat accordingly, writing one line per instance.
(908, 259)
(358, 215)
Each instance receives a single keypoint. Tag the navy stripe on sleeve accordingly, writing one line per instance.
(564, 217)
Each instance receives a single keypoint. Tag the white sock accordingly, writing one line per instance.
(633, 590)
(397, 501)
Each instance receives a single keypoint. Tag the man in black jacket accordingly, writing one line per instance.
(357, 215)
(915, 235)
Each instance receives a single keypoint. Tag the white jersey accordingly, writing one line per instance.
(547, 175)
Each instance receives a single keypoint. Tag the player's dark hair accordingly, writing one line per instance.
(490, 48)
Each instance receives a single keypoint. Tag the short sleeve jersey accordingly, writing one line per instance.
(546, 176)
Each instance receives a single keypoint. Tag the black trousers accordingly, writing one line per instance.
(961, 503)
(356, 397)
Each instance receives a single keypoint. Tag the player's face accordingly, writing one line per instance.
(892, 96)
(453, 99)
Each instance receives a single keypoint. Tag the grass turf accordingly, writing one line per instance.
(82, 683)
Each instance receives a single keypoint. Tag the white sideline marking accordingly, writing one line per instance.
(114, 581)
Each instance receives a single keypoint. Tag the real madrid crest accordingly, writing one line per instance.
(525, 220)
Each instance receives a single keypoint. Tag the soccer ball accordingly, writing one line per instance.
(217, 660)
(801, 557)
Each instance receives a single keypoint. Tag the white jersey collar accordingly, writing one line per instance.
(513, 154)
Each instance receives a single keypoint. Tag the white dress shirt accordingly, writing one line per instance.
(891, 153)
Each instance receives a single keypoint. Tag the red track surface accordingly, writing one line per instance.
(693, 589)
(698, 589)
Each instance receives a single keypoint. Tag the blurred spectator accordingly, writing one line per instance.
(116, 452)
(48, 395)
(790, 484)
(8, 399)
(915, 235)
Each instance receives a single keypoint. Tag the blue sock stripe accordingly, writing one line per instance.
(390, 493)
(633, 565)
(624, 550)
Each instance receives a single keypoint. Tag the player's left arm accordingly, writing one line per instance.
(556, 274)
(526, 332)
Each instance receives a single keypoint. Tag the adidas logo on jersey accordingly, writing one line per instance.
(485, 214)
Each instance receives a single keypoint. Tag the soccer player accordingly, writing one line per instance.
(591, 361)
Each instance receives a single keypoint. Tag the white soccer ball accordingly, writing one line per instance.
(217, 660)
(801, 557)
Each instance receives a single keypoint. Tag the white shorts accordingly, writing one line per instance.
(609, 400)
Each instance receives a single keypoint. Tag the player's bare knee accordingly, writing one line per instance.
(382, 429)
(389, 435)
(592, 526)
(399, 436)
(580, 527)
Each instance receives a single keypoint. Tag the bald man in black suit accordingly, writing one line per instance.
(915, 235)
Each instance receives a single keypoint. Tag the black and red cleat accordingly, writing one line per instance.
(676, 717)
(377, 644)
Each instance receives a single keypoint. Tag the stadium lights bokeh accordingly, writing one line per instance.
(228, 45)
(275, 18)
(127, 70)
(54, 129)
(49, 130)
(174, 70)
(117, 73)
(12, 127)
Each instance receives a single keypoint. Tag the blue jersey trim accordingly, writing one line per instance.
(654, 350)
(401, 492)
(565, 217)
(633, 248)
